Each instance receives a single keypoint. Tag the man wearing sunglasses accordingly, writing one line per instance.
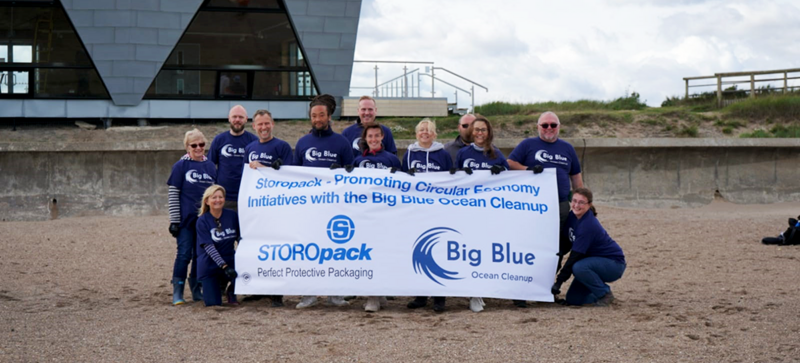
(227, 153)
(464, 137)
(550, 152)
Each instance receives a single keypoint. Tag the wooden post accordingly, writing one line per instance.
(687, 90)
(719, 91)
(752, 86)
(785, 83)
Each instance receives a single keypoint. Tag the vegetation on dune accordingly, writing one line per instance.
(771, 114)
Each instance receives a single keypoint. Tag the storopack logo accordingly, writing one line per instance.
(341, 229)
(422, 257)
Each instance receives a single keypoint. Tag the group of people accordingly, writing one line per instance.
(203, 192)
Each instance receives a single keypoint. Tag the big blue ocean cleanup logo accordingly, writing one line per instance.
(340, 230)
(427, 244)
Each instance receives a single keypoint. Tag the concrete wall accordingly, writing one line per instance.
(400, 107)
(95, 180)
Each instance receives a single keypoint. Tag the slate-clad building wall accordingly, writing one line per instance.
(146, 64)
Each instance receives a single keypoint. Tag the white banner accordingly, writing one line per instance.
(315, 231)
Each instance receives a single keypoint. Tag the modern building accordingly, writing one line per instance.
(172, 59)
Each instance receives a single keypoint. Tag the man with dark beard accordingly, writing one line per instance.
(227, 153)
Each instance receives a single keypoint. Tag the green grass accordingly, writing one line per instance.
(777, 131)
(631, 102)
(773, 107)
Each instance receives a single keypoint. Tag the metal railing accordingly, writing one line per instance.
(752, 81)
(404, 85)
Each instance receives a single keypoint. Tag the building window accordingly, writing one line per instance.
(41, 56)
(248, 48)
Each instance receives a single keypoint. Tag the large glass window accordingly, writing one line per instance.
(248, 49)
(238, 4)
(41, 55)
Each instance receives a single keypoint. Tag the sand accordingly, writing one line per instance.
(699, 288)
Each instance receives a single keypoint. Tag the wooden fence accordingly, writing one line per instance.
(720, 77)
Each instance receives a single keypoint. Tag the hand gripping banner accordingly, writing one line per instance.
(315, 231)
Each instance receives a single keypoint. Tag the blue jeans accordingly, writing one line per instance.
(589, 279)
(187, 241)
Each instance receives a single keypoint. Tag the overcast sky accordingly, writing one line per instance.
(533, 50)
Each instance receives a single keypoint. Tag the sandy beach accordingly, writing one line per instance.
(699, 288)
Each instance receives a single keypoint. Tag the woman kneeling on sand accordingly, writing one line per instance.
(595, 258)
(217, 231)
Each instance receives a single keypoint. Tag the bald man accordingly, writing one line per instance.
(227, 152)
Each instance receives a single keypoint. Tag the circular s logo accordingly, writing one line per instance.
(355, 143)
(190, 176)
(341, 229)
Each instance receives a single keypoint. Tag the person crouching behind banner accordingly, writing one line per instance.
(595, 258)
(373, 156)
(482, 155)
(427, 156)
(217, 231)
(189, 178)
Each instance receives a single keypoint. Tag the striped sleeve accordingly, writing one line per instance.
(174, 205)
(214, 254)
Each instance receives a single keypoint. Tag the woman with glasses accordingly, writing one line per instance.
(595, 259)
(481, 155)
(217, 231)
(190, 177)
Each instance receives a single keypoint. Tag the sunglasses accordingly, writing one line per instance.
(219, 225)
(194, 146)
(552, 126)
(464, 126)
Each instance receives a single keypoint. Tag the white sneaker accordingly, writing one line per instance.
(337, 301)
(306, 302)
(373, 304)
(476, 304)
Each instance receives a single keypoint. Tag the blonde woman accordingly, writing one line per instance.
(217, 232)
(190, 177)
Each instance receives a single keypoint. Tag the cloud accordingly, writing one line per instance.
(538, 50)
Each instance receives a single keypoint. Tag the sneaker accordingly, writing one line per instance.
(337, 301)
(476, 304)
(773, 240)
(418, 303)
(438, 307)
(384, 301)
(307, 302)
(373, 304)
(606, 300)
(277, 301)
(520, 304)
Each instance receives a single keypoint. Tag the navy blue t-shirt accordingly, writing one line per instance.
(227, 152)
(353, 134)
(321, 149)
(560, 155)
(267, 152)
(192, 178)
(223, 239)
(427, 161)
(591, 239)
(380, 160)
(475, 159)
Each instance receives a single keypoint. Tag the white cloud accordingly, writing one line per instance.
(527, 51)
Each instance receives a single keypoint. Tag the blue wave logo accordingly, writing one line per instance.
(422, 258)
